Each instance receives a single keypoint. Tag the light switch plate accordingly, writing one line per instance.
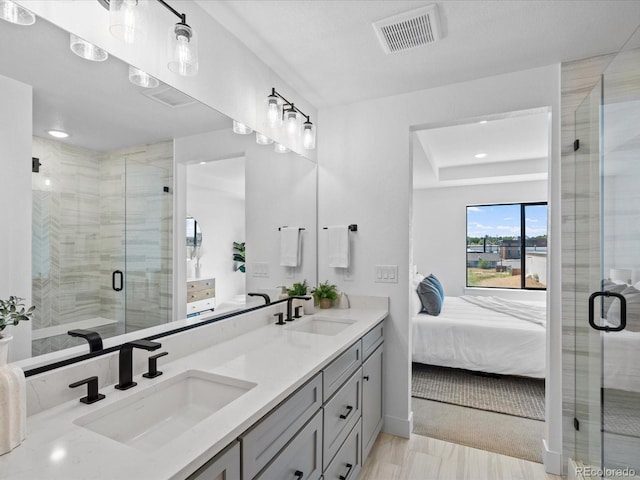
(260, 269)
(386, 274)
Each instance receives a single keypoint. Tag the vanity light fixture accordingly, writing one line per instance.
(241, 128)
(127, 19)
(14, 13)
(279, 148)
(141, 78)
(262, 139)
(86, 50)
(281, 111)
(58, 133)
(480, 155)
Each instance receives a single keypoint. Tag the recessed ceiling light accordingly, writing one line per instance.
(482, 121)
(58, 133)
(480, 155)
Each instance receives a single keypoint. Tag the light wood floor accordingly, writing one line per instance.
(423, 458)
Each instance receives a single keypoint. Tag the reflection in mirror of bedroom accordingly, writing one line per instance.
(479, 261)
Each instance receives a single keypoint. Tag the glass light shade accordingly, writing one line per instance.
(273, 111)
(87, 50)
(278, 148)
(291, 122)
(309, 135)
(127, 19)
(183, 50)
(241, 128)
(141, 78)
(262, 139)
(14, 13)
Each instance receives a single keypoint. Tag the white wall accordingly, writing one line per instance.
(439, 225)
(15, 205)
(365, 169)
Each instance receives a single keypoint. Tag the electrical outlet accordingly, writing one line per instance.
(260, 269)
(386, 274)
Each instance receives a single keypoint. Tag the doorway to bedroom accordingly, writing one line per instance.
(478, 314)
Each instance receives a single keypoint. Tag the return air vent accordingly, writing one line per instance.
(168, 96)
(409, 30)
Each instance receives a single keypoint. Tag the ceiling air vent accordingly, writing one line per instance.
(409, 30)
(168, 96)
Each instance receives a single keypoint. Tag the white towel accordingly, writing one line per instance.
(339, 246)
(290, 246)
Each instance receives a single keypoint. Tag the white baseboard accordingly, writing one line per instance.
(400, 427)
(552, 460)
(573, 471)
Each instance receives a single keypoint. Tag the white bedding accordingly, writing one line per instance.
(468, 336)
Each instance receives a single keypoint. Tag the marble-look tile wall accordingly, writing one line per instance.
(94, 213)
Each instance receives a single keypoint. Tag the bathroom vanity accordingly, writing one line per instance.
(242, 398)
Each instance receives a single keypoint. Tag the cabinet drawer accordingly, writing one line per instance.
(204, 284)
(200, 295)
(201, 305)
(341, 413)
(347, 463)
(302, 458)
(341, 369)
(266, 439)
(372, 340)
(224, 466)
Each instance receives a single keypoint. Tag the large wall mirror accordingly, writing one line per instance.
(111, 199)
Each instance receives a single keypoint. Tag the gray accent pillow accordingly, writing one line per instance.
(429, 297)
(433, 279)
(632, 296)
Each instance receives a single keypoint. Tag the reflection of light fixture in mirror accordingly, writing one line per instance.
(58, 133)
(480, 155)
(279, 108)
(142, 78)
(482, 122)
(183, 49)
(241, 128)
(262, 139)
(127, 19)
(278, 148)
(14, 13)
(87, 50)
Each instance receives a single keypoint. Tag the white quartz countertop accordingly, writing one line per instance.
(277, 359)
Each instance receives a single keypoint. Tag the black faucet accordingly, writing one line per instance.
(267, 300)
(126, 361)
(289, 302)
(94, 339)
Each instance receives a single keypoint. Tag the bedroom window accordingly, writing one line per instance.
(507, 246)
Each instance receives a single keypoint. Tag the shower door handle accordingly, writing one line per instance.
(117, 274)
(623, 311)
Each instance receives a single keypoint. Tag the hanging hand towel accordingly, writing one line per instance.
(338, 246)
(290, 246)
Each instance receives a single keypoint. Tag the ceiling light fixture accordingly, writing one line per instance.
(58, 133)
(14, 13)
(281, 111)
(141, 78)
(262, 139)
(128, 22)
(241, 128)
(480, 155)
(86, 50)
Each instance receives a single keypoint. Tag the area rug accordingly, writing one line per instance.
(517, 396)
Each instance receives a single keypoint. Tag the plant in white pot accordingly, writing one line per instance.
(13, 397)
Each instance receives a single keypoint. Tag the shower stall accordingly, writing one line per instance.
(601, 276)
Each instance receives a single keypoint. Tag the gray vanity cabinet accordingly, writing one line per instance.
(347, 463)
(372, 395)
(224, 466)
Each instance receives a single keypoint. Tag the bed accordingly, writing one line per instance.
(473, 337)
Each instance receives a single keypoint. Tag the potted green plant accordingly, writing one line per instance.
(298, 289)
(324, 294)
(12, 312)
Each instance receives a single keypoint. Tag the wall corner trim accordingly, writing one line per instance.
(552, 461)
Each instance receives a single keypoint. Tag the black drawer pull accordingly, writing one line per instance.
(298, 474)
(346, 475)
(345, 415)
(366, 378)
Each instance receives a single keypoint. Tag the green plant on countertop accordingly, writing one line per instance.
(239, 256)
(12, 312)
(298, 289)
(325, 290)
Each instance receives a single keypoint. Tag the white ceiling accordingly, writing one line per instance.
(516, 147)
(93, 101)
(328, 51)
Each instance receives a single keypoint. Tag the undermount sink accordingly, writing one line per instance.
(157, 415)
(322, 325)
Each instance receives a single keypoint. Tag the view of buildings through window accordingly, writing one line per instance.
(507, 246)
